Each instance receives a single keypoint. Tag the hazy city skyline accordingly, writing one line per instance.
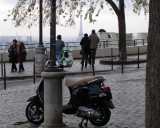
(107, 21)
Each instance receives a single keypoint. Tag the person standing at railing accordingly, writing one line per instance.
(21, 55)
(85, 49)
(94, 40)
(59, 47)
(13, 55)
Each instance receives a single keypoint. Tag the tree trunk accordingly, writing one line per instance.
(122, 31)
(152, 110)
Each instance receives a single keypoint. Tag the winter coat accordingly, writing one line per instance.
(94, 40)
(85, 43)
(12, 54)
(21, 53)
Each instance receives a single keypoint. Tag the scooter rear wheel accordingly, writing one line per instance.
(105, 115)
(34, 113)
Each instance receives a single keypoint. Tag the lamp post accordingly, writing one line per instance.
(53, 76)
(53, 33)
(40, 24)
(40, 57)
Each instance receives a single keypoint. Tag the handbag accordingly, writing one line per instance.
(81, 51)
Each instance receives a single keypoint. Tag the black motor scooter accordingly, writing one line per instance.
(90, 99)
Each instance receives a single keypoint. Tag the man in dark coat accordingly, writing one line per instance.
(13, 55)
(85, 45)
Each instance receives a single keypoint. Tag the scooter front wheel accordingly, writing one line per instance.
(34, 113)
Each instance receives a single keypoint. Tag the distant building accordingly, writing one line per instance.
(103, 35)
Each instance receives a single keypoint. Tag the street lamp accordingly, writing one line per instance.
(52, 66)
(40, 57)
(53, 34)
(40, 24)
(53, 76)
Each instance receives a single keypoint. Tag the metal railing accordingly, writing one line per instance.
(76, 45)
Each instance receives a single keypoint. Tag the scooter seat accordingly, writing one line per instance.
(73, 82)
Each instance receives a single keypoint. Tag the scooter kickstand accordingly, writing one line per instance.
(81, 124)
(86, 124)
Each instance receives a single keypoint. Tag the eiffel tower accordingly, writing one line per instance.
(80, 35)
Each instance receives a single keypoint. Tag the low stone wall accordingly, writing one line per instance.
(101, 52)
(105, 52)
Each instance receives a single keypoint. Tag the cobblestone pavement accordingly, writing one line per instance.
(128, 91)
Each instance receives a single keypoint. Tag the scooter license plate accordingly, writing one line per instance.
(111, 105)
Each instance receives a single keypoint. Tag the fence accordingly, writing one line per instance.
(113, 64)
(76, 45)
(7, 75)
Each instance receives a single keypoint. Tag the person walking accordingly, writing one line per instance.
(59, 47)
(21, 55)
(13, 55)
(94, 40)
(86, 50)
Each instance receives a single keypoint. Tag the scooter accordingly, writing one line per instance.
(90, 99)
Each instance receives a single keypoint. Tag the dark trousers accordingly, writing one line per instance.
(93, 55)
(86, 58)
(21, 68)
(14, 66)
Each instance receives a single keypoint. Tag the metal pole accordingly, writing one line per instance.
(107, 43)
(2, 64)
(4, 76)
(112, 58)
(134, 42)
(40, 23)
(138, 57)
(53, 33)
(122, 61)
(34, 81)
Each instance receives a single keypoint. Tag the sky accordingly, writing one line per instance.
(107, 21)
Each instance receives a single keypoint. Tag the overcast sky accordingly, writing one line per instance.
(107, 21)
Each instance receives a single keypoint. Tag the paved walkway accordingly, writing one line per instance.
(75, 68)
(128, 96)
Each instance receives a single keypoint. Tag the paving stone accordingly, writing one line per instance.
(128, 91)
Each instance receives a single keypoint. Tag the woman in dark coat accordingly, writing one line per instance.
(21, 55)
(13, 55)
(85, 43)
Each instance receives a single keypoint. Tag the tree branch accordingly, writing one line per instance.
(114, 6)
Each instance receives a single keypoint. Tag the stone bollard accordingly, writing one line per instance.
(53, 99)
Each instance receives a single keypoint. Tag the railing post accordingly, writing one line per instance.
(103, 44)
(107, 43)
(143, 41)
(138, 57)
(112, 58)
(4, 76)
(122, 60)
(1, 64)
(34, 81)
(134, 42)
